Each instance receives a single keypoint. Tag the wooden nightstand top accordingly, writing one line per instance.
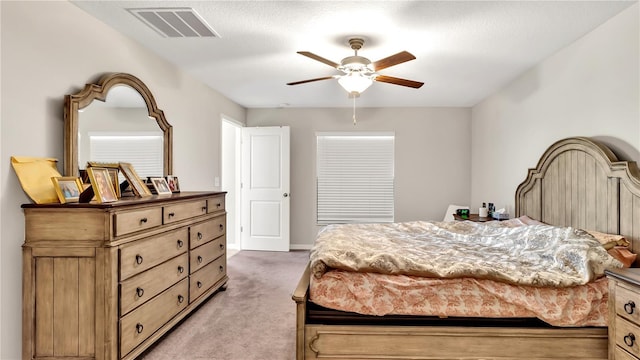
(630, 275)
(473, 217)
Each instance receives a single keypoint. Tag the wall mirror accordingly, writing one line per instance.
(117, 120)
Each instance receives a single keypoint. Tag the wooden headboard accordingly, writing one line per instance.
(579, 182)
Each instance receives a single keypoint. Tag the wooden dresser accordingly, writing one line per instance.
(624, 314)
(105, 281)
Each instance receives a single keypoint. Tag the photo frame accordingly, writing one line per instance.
(113, 174)
(173, 183)
(102, 185)
(161, 185)
(103, 164)
(68, 188)
(112, 166)
(137, 185)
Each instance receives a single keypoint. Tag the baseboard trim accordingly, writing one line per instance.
(300, 246)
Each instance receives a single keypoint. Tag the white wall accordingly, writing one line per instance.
(52, 48)
(432, 157)
(589, 88)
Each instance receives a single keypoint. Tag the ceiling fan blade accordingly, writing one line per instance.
(310, 80)
(398, 81)
(319, 58)
(392, 60)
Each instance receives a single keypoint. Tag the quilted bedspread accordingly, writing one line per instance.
(534, 255)
(379, 294)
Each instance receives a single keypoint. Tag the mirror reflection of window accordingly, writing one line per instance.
(120, 130)
(140, 149)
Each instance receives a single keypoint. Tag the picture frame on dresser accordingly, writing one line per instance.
(114, 173)
(174, 185)
(102, 185)
(161, 186)
(111, 165)
(68, 188)
(137, 184)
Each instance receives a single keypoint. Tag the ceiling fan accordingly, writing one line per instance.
(359, 72)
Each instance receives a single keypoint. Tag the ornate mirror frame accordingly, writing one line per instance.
(73, 103)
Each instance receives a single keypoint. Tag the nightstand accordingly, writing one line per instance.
(473, 217)
(624, 314)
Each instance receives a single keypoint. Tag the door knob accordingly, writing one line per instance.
(285, 195)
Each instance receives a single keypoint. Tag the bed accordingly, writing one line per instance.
(579, 183)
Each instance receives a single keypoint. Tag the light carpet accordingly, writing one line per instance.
(253, 319)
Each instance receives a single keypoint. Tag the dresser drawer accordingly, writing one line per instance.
(206, 231)
(185, 210)
(203, 279)
(628, 304)
(215, 204)
(138, 289)
(202, 255)
(144, 254)
(127, 222)
(139, 324)
(627, 336)
(623, 355)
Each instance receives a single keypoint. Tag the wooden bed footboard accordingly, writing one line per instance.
(449, 343)
(300, 296)
(321, 341)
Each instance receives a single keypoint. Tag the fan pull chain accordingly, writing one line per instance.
(354, 111)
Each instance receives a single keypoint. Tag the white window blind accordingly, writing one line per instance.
(355, 178)
(144, 152)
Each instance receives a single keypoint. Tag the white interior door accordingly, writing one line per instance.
(265, 188)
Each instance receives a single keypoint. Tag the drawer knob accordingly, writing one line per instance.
(629, 307)
(171, 214)
(180, 299)
(629, 339)
(204, 209)
(143, 220)
(199, 236)
(138, 259)
(221, 227)
(180, 269)
(218, 204)
(139, 291)
(180, 243)
(199, 284)
(139, 328)
(199, 259)
(221, 268)
(221, 246)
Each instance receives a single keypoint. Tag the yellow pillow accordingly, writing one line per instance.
(35, 176)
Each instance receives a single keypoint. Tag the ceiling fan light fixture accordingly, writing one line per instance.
(355, 82)
(359, 72)
(356, 63)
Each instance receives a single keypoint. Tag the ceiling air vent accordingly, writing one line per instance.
(175, 22)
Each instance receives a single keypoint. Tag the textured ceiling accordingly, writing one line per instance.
(466, 50)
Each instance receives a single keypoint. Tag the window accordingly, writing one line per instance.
(143, 151)
(354, 177)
